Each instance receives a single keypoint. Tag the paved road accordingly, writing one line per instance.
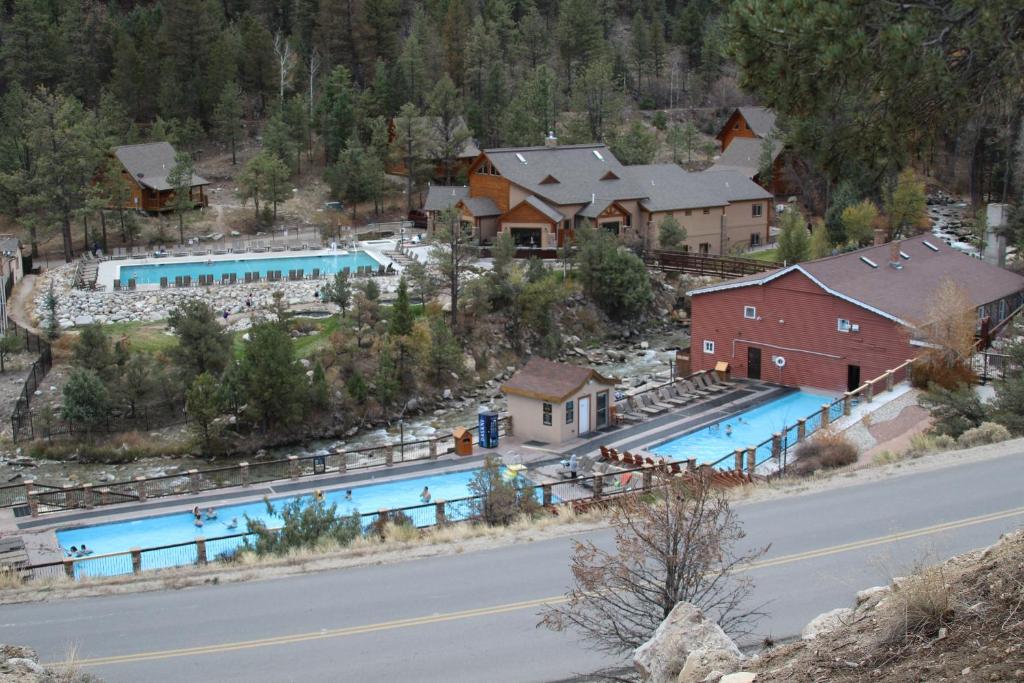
(472, 617)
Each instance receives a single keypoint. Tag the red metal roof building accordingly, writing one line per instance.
(836, 322)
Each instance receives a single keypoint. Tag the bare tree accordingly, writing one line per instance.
(285, 61)
(680, 548)
(948, 329)
(452, 253)
(314, 69)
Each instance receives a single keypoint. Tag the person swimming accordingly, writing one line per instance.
(319, 495)
(233, 524)
(211, 513)
(425, 495)
(728, 430)
(348, 494)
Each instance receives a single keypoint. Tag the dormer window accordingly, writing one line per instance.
(609, 176)
(549, 180)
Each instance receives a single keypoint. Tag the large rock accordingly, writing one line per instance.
(739, 677)
(703, 664)
(829, 621)
(686, 629)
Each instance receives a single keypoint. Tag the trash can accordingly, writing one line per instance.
(463, 441)
(487, 423)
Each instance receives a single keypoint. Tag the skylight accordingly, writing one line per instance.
(598, 155)
(868, 261)
(929, 245)
(521, 158)
(904, 255)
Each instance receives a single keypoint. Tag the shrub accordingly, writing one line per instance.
(985, 433)
(923, 444)
(307, 522)
(499, 501)
(826, 450)
(388, 527)
(924, 374)
(955, 410)
(919, 605)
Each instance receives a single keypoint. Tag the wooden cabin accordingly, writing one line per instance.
(146, 167)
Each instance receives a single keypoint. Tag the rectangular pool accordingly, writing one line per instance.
(749, 428)
(219, 265)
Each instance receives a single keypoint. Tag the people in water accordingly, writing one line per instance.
(211, 513)
(348, 494)
(83, 551)
(425, 495)
(728, 430)
(319, 495)
(233, 524)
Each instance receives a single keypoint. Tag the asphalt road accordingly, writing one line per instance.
(473, 617)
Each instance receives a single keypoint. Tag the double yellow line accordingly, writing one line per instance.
(526, 604)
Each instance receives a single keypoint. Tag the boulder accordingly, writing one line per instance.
(872, 594)
(702, 663)
(739, 677)
(83, 320)
(685, 630)
(823, 623)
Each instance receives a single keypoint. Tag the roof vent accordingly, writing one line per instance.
(521, 158)
(139, 174)
(868, 261)
(598, 155)
(929, 245)
(894, 256)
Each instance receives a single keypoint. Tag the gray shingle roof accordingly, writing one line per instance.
(595, 208)
(150, 162)
(441, 197)
(744, 155)
(481, 207)
(668, 188)
(578, 168)
(544, 208)
(761, 120)
(903, 294)
(733, 185)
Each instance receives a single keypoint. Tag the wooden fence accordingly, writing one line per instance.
(706, 264)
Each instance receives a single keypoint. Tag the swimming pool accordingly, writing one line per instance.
(218, 266)
(750, 428)
(178, 527)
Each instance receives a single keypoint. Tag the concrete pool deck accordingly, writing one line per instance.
(108, 271)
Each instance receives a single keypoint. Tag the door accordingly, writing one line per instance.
(753, 362)
(601, 418)
(584, 409)
(852, 377)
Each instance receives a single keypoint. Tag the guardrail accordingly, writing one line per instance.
(42, 498)
(582, 492)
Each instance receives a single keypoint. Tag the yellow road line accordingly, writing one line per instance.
(526, 604)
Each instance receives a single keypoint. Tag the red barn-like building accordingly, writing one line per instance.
(836, 322)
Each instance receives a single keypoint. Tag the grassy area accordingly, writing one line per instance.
(150, 337)
(310, 344)
(766, 255)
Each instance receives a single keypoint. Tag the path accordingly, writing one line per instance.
(472, 616)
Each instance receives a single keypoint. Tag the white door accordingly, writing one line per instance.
(584, 408)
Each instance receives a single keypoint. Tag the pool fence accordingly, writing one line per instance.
(580, 493)
(34, 498)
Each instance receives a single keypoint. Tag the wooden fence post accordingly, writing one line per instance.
(200, 550)
(825, 417)
(28, 484)
(546, 493)
(87, 496)
(801, 429)
(342, 461)
(293, 466)
(244, 473)
(777, 445)
(439, 518)
(847, 403)
(751, 460)
(33, 504)
(433, 449)
(140, 488)
(136, 560)
(738, 455)
(648, 477)
(389, 456)
(598, 486)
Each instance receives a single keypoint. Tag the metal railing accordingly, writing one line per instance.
(706, 264)
(21, 417)
(42, 498)
(583, 491)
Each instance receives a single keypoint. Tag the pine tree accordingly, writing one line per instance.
(449, 130)
(794, 243)
(180, 179)
(227, 118)
(401, 312)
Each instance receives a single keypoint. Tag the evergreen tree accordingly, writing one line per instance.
(578, 35)
(412, 146)
(401, 312)
(180, 179)
(671, 235)
(337, 120)
(449, 130)
(227, 118)
(86, 401)
(845, 195)
(274, 383)
(598, 98)
(203, 345)
(635, 145)
(264, 178)
(339, 291)
(204, 404)
(794, 243)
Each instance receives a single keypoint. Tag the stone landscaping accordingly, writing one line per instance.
(77, 307)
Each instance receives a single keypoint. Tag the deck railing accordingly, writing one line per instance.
(706, 264)
(42, 498)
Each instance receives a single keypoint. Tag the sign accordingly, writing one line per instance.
(319, 464)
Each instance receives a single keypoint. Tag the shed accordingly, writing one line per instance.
(555, 402)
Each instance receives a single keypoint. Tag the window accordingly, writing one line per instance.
(568, 413)
(611, 226)
(707, 211)
(687, 212)
(843, 325)
(709, 346)
(602, 409)
(736, 126)
(705, 248)
(750, 312)
(628, 220)
(755, 210)
(547, 414)
(686, 248)
(755, 239)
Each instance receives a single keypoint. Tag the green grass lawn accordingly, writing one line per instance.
(766, 255)
(150, 337)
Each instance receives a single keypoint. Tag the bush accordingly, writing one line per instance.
(985, 433)
(390, 526)
(919, 605)
(499, 501)
(307, 523)
(923, 444)
(954, 410)
(924, 374)
(826, 450)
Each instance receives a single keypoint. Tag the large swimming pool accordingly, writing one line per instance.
(218, 266)
(178, 527)
(750, 428)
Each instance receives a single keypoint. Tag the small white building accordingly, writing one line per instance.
(10, 255)
(556, 402)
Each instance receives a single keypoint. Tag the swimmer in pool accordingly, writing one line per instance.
(728, 430)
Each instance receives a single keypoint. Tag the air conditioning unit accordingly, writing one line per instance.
(855, 328)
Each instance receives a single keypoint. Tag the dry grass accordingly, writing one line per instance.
(918, 607)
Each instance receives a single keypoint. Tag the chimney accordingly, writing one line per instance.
(551, 140)
(881, 236)
(894, 256)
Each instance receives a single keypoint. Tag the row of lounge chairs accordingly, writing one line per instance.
(665, 398)
(627, 459)
(121, 253)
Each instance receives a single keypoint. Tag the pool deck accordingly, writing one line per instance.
(108, 271)
(541, 461)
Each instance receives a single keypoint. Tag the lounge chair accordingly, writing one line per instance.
(187, 281)
(316, 274)
(677, 391)
(380, 271)
(704, 382)
(248, 278)
(117, 284)
(692, 388)
(163, 283)
(665, 395)
(224, 278)
(178, 281)
(131, 284)
(300, 274)
(643, 406)
(348, 271)
(233, 278)
(652, 400)
(625, 414)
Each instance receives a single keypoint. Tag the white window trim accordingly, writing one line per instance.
(709, 346)
(752, 310)
(841, 328)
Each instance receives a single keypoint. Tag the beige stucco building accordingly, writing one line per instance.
(556, 402)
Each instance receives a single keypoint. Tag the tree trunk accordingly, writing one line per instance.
(85, 234)
(103, 229)
(69, 250)
(181, 227)
(234, 159)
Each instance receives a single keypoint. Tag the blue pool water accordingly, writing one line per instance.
(150, 274)
(178, 527)
(711, 443)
